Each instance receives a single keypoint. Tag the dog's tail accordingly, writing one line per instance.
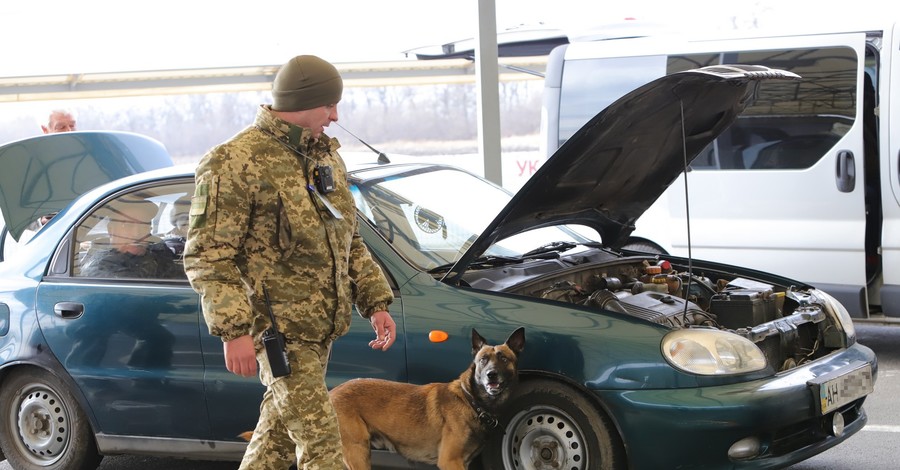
(246, 435)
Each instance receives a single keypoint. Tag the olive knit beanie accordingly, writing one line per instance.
(306, 82)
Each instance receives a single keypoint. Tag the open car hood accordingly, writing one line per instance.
(42, 175)
(625, 157)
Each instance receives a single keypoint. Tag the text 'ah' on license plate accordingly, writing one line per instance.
(835, 389)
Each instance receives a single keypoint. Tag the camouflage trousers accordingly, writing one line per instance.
(296, 420)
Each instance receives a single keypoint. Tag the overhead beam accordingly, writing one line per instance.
(250, 78)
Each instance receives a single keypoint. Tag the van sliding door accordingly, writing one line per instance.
(890, 184)
(782, 190)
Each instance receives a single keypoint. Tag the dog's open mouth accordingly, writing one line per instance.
(493, 387)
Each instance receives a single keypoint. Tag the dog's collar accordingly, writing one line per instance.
(488, 420)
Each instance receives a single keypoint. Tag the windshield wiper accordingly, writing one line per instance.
(487, 261)
(548, 251)
(554, 247)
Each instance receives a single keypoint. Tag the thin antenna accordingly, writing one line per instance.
(382, 158)
(687, 211)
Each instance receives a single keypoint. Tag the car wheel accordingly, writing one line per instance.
(547, 426)
(42, 425)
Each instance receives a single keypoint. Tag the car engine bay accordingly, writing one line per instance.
(788, 323)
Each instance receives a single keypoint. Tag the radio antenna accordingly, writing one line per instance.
(382, 158)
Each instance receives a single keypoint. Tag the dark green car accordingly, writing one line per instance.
(633, 360)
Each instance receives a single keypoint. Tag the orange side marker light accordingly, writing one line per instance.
(437, 336)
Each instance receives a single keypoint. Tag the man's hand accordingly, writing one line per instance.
(240, 356)
(385, 330)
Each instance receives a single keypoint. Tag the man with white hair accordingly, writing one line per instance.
(60, 120)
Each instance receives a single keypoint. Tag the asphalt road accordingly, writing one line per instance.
(873, 448)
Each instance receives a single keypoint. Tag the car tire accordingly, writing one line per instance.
(43, 428)
(548, 425)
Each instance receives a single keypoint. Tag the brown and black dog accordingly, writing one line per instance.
(438, 423)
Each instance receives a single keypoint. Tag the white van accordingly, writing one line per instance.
(805, 184)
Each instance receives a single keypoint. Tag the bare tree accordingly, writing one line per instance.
(402, 119)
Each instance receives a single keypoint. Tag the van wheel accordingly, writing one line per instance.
(42, 426)
(548, 425)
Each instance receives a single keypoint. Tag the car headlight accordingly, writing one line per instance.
(839, 313)
(711, 352)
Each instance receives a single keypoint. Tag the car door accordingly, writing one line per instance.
(130, 340)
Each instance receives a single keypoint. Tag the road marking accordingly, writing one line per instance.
(881, 428)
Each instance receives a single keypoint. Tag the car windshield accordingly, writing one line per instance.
(433, 214)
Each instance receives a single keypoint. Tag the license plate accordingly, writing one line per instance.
(836, 389)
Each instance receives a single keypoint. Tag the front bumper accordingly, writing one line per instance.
(695, 427)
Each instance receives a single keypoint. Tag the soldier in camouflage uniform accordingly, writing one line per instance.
(258, 222)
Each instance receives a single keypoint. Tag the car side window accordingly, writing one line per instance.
(137, 235)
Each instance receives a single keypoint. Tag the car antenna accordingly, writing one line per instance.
(382, 158)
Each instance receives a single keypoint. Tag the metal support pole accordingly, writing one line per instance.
(488, 91)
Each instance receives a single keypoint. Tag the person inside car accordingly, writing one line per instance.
(132, 251)
(179, 218)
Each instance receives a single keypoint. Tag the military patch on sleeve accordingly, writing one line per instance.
(199, 203)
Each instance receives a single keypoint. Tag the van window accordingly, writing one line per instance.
(590, 85)
(791, 126)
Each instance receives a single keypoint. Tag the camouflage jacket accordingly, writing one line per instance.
(255, 221)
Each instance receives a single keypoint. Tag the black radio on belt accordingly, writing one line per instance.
(324, 179)
(273, 342)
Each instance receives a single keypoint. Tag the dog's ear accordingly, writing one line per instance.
(477, 342)
(516, 340)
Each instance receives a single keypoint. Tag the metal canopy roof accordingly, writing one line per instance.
(248, 78)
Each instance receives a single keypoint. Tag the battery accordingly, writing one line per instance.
(743, 308)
